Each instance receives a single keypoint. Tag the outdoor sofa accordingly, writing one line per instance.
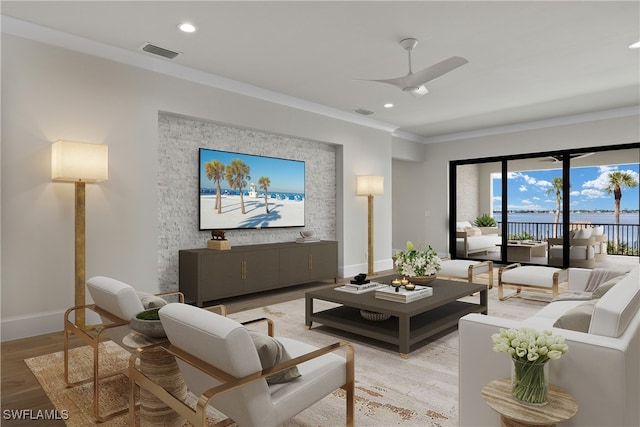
(471, 240)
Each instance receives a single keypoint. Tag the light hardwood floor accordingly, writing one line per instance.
(21, 390)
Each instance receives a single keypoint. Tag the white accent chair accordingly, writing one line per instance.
(466, 270)
(116, 303)
(530, 277)
(582, 249)
(601, 243)
(221, 366)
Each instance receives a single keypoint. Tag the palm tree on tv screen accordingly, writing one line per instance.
(617, 181)
(264, 183)
(215, 172)
(237, 174)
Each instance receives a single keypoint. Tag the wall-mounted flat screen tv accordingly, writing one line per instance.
(248, 191)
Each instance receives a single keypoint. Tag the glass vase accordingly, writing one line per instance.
(529, 382)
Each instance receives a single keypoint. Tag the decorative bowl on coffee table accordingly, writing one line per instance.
(422, 280)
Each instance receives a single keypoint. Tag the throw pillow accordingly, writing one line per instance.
(578, 318)
(150, 301)
(271, 353)
(604, 288)
(461, 225)
(583, 233)
(598, 230)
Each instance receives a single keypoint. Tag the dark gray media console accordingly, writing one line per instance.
(207, 274)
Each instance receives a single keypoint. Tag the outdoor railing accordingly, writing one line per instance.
(628, 242)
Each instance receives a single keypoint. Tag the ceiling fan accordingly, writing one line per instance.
(414, 83)
(558, 158)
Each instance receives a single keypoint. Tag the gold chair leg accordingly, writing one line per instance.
(491, 276)
(501, 296)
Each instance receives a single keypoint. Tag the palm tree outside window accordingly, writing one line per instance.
(617, 181)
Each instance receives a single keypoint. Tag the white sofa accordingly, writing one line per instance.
(601, 369)
(470, 239)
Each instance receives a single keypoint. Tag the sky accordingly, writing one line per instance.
(286, 176)
(527, 190)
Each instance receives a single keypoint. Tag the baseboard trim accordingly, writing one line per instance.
(17, 327)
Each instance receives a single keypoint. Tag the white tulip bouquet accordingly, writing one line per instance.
(530, 351)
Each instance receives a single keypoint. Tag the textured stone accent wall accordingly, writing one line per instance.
(179, 140)
(467, 193)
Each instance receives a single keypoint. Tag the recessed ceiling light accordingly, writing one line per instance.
(635, 45)
(187, 27)
(388, 105)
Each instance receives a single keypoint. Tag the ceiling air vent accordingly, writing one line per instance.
(363, 111)
(160, 51)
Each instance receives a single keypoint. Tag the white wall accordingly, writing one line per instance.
(50, 93)
(434, 185)
(410, 207)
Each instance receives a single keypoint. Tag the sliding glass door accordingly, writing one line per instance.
(569, 208)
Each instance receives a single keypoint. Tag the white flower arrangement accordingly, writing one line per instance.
(530, 351)
(529, 345)
(412, 262)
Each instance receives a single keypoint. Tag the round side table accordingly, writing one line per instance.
(162, 368)
(560, 406)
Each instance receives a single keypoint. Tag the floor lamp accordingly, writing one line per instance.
(79, 162)
(370, 185)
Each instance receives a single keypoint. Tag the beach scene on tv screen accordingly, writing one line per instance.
(247, 191)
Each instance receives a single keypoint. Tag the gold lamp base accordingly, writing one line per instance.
(80, 298)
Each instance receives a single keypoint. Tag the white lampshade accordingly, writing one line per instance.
(79, 161)
(369, 184)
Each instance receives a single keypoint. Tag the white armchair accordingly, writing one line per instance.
(600, 243)
(582, 249)
(221, 364)
(116, 303)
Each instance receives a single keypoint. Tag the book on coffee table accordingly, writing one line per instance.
(389, 293)
(359, 289)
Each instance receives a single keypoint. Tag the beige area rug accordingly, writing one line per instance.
(419, 391)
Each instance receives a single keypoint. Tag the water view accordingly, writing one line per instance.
(576, 217)
(540, 226)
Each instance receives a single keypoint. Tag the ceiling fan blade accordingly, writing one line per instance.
(400, 82)
(558, 159)
(551, 159)
(435, 71)
(582, 156)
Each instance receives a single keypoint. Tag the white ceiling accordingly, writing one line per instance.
(528, 61)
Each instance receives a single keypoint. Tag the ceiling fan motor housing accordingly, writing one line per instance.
(409, 44)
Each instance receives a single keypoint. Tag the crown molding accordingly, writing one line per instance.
(539, 124)
(142, 60)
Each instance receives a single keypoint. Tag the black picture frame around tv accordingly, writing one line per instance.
(241, 191)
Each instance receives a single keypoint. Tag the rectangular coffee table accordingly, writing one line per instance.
(525, 250)
(409, 323)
